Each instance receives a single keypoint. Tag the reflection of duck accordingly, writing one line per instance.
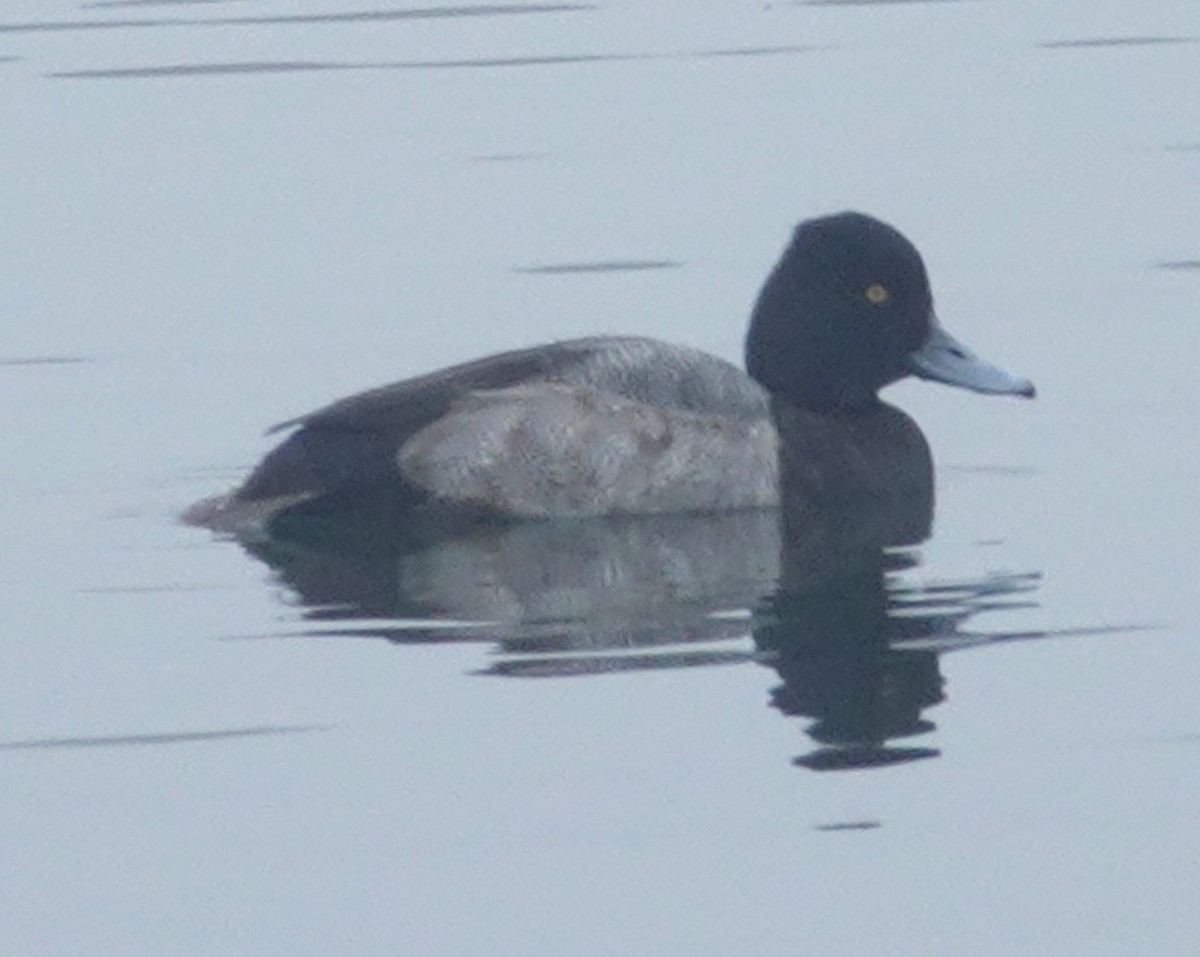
(860, 655)
(623, 585)
(624, 425)
(854, 641)
(829, 630)
(855, 645)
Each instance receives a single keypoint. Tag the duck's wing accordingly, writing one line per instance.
(401, 407)
(354, 442)
(554, 451)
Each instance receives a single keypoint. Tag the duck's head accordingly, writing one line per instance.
(848, 310)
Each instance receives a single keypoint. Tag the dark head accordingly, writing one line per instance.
(848, 310)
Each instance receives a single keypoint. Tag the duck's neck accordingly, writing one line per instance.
(809, 380)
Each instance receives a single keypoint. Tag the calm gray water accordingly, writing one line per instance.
(625, 740)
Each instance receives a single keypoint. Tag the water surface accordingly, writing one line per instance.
(221, 215)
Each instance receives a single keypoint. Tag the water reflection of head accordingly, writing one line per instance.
(828, 630)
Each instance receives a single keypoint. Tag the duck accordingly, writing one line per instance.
(612, 425)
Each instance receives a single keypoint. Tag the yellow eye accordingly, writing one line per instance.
(876, 294)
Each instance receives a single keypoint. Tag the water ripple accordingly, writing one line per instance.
(43, 360)
(615, 265)
(1113, 42)
(178, 737)
(358, 16)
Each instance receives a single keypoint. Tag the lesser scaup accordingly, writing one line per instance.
(632, 425)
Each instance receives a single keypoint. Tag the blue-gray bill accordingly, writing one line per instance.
(944, 359)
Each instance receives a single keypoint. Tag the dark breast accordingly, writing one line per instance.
(828, 457)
